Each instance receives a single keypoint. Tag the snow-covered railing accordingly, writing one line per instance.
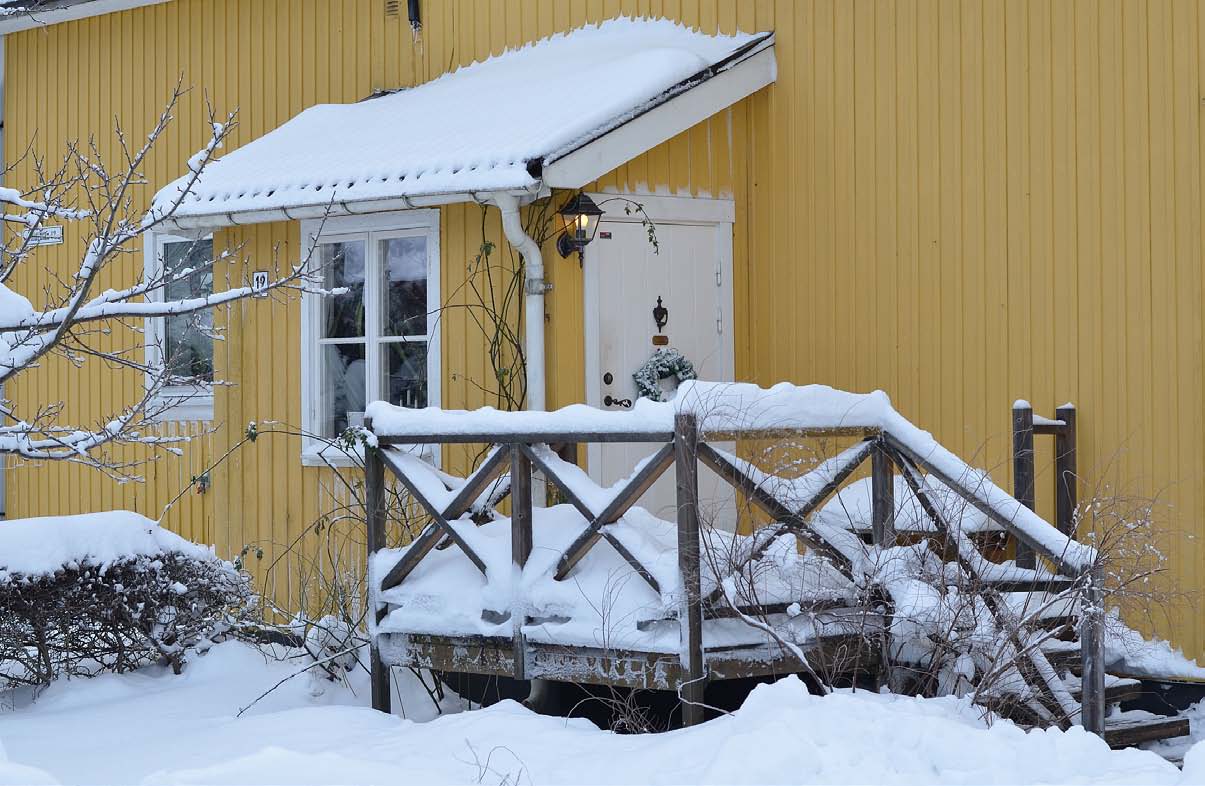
(687, 428)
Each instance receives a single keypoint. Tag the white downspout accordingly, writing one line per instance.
(3, 164)
(534, 288)
(533, 301)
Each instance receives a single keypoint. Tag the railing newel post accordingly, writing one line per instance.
(374, 491)
(1023, 471)
(520, 547)
(1092, 652)
(882, 481)
(1066, 471)
(690, 618)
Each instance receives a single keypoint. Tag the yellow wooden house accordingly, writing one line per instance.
(960, 202)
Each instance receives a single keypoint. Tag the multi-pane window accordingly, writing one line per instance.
(188, 338)
(371, 337)
(181, 344)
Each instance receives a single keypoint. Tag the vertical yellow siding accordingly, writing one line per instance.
(961, 202)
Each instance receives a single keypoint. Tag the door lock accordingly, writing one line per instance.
(608, 378)
(625, 403)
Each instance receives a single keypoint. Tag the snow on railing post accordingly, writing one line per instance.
(520, 548)
(374, 488)
(1065, 471)
(882, 517)
(1023, 470)
(1092, 651)
(690, 616)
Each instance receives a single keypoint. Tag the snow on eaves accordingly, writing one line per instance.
(472, 130)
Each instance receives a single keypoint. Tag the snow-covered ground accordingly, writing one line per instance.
(154, 727)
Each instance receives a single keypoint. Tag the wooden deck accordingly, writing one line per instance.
(1066, 685)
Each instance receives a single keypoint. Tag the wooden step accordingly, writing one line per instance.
(1127, 732)
(1066, 660)
(1117, 689)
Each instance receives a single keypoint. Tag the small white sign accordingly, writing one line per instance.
(45, 236)
(259, 280)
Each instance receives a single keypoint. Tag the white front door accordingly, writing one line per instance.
(690, 272)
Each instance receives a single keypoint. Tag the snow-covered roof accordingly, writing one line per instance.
(496, 125)
(18, 15)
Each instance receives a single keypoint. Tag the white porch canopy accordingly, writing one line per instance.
(558, 113)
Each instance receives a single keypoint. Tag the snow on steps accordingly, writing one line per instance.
(1133, 727)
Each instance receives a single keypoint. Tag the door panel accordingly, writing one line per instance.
(686, 272)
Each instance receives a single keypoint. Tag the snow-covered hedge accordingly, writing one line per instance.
(106, 592)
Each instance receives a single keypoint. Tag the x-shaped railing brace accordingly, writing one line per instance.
(618, 506)
(476, 483)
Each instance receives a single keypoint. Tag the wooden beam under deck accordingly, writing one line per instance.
(840, 655)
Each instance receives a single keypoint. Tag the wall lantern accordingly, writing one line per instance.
(580, 217)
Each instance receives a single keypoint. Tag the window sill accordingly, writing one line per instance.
(183, 406)
(318, 455)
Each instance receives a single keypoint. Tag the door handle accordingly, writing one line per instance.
(625, 403)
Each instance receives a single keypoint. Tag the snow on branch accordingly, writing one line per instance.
(94, 309)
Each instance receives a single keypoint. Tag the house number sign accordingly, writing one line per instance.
(45, 236)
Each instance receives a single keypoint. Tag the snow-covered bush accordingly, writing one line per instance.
(107, 592)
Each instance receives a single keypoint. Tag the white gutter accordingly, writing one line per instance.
(34, 19)
(533, 302)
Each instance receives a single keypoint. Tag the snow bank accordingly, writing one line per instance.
(472, 130)
(20, 775)
(42, 546)
(780, 735)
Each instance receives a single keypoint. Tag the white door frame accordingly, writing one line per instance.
(697, 211)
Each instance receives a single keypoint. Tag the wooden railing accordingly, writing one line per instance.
(683, 448)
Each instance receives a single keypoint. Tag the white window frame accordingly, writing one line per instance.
(186, 402)
(372, 229)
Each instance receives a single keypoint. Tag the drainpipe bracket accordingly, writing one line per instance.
(536, 286)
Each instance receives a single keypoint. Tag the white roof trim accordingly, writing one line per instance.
(587, 163)
(261, 183)
(29, 21)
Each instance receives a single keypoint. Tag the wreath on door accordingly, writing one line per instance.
(663, 364)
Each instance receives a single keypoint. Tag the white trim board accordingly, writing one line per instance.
(30, 21)
(664, 121)
(311, 305)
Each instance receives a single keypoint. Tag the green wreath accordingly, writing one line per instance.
(663, 364)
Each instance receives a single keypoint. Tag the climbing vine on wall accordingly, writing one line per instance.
(494, 289)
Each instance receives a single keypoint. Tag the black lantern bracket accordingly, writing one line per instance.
(579, 218)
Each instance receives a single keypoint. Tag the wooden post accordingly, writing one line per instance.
(1023, 470)
(882, 481)
(374, 489)
(1092, 651)
(1065, 471)
(690, 617)
(520, 545)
